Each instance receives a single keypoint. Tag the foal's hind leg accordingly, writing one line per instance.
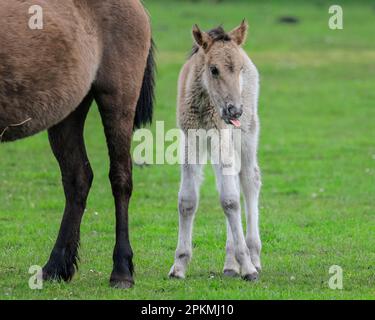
(68, 146)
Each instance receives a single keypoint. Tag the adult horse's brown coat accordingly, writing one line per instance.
(86, 50)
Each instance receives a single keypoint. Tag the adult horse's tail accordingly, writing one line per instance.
(145, 105)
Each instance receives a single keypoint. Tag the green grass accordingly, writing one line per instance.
(317, 154)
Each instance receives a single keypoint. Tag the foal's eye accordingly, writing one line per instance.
(214, 71)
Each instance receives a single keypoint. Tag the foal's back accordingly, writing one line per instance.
(44, 73)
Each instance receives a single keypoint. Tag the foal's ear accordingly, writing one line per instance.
(201, 38)
(239, 34)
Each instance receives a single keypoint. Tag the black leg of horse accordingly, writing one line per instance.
(68, 146)
(118, 118)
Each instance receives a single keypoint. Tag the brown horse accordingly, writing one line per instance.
(49, 77)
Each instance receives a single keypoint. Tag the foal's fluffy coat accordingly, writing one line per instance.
(218, 76)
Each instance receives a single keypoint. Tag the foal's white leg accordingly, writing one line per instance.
(230, 201)
(231, 266)
(251, 183)
(187, 205)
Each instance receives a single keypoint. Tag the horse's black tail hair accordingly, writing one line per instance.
(145, 105)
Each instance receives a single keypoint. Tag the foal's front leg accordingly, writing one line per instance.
(231, 266)
(68, 146)
(250, 178)
(230, 201)
(251, 184)
(187, 207)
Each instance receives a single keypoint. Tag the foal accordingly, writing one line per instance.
(218, 89)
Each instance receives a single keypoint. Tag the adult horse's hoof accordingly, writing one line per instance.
(231, 273)
(121, 284)
(54, 272)
(121, 281)
(251, 277)
(61, 265)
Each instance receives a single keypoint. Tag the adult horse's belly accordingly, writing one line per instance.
(46, 73)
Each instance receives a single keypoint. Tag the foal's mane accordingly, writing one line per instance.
(217, 34)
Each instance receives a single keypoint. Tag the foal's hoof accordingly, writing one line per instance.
(121, 284)
(231, 273)
(176, 274)
(251, 277)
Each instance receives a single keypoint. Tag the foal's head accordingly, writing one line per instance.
(223, 63)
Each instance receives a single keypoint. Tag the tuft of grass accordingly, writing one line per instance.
(317, 155)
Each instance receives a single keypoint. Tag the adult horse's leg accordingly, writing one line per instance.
(188, 198)
(118, 129)
(124, 78)
(68, 146)
(117, 93)
(118, 125)
(230, 201)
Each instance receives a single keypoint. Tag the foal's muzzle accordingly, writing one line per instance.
(231, 114)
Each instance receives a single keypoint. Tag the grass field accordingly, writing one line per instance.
(317, 154)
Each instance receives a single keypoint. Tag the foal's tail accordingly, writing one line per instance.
(145, 105)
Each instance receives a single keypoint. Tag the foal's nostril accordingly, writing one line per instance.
(231, 109)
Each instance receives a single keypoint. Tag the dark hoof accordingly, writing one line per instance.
(58, 273)
(230, 273)
(121, 281)
(122, 284)
(61, 265)
(251, 277)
